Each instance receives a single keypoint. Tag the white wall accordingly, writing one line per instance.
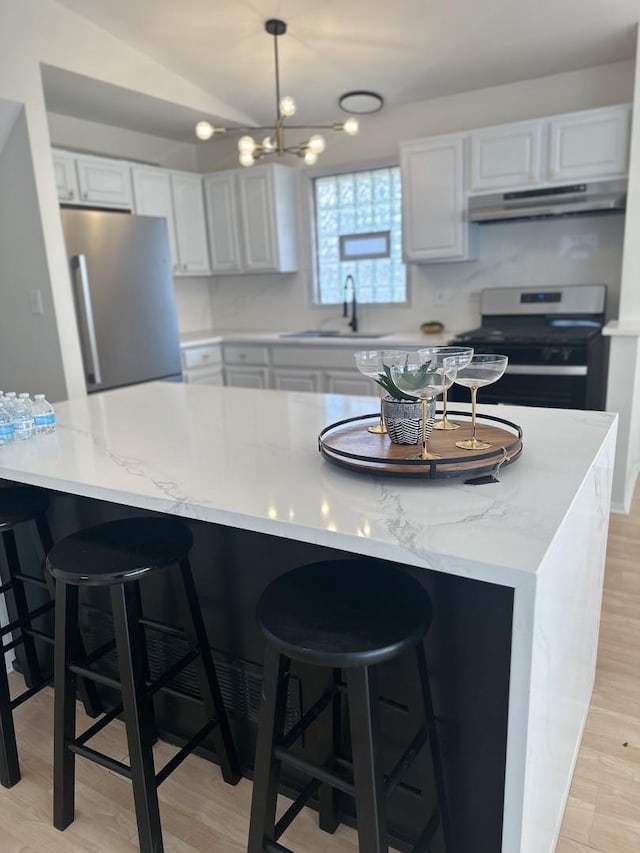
(29, 343)
(95, 138)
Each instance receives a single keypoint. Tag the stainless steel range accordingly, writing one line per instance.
(553, 337)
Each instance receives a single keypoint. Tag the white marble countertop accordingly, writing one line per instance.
(249, 459)
(622, 328)
(360, 341)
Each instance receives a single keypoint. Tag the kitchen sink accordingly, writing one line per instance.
(328, 333)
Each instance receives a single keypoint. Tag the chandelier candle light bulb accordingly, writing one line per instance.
(274, 143)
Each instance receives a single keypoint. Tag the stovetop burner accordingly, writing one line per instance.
(534, 333)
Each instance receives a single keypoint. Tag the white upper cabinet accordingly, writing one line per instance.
(252, 219)
(152, 197)
(191, 227)
(223, 223)
(590, 144)
(64, 167)
(92, 181)
(561, 149)
(178, 197)
(434, 224)
(505, 156)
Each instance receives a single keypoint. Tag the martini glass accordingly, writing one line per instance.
(371, 363)
(462, 356)
(424, 380)
(482, 370)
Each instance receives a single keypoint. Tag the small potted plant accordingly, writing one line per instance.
(402, 412)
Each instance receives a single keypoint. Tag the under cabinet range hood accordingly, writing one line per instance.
(544, 203)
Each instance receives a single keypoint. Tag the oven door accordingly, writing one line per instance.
(559, 386)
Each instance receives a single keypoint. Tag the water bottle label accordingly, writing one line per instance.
(45, 420)
(23, 425)
(6, 430)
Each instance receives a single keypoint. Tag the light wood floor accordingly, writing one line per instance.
(201, 813)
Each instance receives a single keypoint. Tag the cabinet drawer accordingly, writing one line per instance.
(205, 356)
(242, 354)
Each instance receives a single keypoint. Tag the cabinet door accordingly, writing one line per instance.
(214, 376)
(256, 198)
(64, 167)
(297, 380)
(152, 197)
(191, 229)
(591, 144)
(246, 377)
(104, 182)
(349, 382)
(506, 156)
(222, 222)
(434, 226)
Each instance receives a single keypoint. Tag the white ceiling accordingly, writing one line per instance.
(410, 50)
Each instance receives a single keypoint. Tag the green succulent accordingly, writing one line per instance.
(418, 379)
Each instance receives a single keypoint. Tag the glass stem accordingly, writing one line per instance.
(382, 423)
(474, 391)
(444, 406)
(424, 427)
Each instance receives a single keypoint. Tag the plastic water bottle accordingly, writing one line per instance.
(43, 415)
(6, 425)
(9, 401)
(23, 418)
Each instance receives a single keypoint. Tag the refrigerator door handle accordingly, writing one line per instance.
(79, 264)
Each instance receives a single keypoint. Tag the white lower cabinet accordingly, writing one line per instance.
(246, 376)
(348, 382)
(202, 364)
(290, 379)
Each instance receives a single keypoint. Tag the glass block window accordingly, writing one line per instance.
(367, 203)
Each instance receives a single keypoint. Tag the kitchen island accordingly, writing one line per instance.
(515, 568)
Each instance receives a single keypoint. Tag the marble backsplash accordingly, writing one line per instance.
(578, 250)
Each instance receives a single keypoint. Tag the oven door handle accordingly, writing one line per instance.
(547, 369)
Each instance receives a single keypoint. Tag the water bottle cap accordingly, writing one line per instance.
(38, 396)
(23, 395)
(11, 393)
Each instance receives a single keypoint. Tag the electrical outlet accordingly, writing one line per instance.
(35, 299)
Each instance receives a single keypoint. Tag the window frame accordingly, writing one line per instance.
(327, 171)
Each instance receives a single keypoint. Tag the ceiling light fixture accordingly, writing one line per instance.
(361, 102)
(274, 142)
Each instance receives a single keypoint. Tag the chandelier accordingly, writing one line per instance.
(274, 142)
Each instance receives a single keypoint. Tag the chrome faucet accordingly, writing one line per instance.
(353, 322)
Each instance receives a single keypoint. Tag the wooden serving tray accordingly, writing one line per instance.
(349, 444)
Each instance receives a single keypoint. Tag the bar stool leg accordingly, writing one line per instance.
(209, 686)
(434, 742)
(138, 714)
(329, 727)
(32, 673)
(64, 716)
(9, 765)
(368, 779)
(86, 688)
(273, 708)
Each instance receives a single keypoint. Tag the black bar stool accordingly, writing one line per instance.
(20, 505)
(119, 554)
(347, 615)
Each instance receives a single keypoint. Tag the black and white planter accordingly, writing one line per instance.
(404, 419)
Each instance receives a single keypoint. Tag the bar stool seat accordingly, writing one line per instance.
(118, 555)
(343, 614)
(349, 616)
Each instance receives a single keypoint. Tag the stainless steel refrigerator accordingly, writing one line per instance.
(125, 302)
